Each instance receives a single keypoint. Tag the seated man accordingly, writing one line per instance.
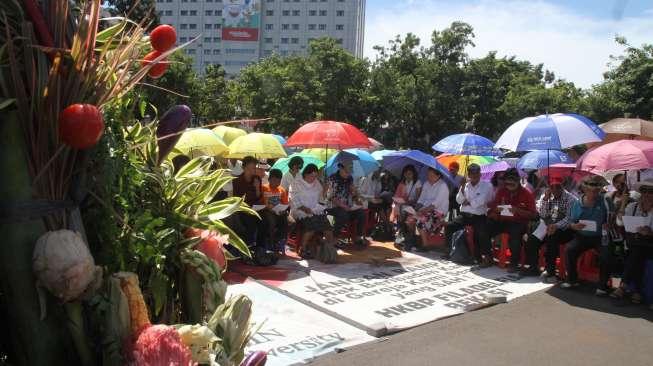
(275, 214)
(510, 212)
(553, 208)
(246, 185)
(473, 198)
(344, 203)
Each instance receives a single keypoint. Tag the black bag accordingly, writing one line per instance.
(459, 251)
(263, 256)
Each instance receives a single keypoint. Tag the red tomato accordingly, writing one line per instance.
(212, 248)
(163, 37)
(80, 125)
(159, 68)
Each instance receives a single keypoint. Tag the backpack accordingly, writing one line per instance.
(459, 252)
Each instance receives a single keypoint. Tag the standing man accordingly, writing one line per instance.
(345, 205)
(553, 209)
(473, 198)
(510, 212)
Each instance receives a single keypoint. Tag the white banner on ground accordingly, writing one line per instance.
(399, 293)
(292, 332)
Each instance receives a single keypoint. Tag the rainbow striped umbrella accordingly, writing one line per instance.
(464, 160)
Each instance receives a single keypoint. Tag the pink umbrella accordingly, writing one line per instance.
(618, 156)
(376, 145)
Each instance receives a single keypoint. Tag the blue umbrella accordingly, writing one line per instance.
(363, 163)
(542, 158)
(395, 163)
(550, 132)
(467, 144)
(280, 138)
(379, 154)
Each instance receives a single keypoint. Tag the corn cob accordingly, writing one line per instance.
(139, 317)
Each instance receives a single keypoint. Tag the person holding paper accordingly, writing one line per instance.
(406, 194)
(510, 212)
(589, 217)
(640, 242)
(248, 186)
(305, 208)
(344, 203)
(275, 214)
(431, 209)
(294, 166)
(553, 208)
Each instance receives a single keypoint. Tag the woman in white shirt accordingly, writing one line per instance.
(307, 211)
(432, 206)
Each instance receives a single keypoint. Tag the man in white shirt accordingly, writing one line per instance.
(473, 198)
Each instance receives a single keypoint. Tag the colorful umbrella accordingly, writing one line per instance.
(618, 156)
(379, 154)
(542, 158)
(282, 164)
(487, 171)
(376, 145)
(201, 142)
(321, 153)
(332, 134)
(362, 162)
(563, 170)
(258, 145)
(467, 144)
(464, 160)
(549, 132)
(395, 163)
(229, 134)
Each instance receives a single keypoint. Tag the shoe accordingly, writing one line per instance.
(513, 269)
(600, 292)
(568, 285)
(486, 263)
(529, 272)
(618, 293)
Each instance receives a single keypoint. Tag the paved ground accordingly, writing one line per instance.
(554, 327)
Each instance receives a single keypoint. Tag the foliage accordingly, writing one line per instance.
(213, 103)
(138, 11)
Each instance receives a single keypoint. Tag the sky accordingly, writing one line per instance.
(572, 38)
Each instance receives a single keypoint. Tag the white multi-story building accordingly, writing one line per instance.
(234, 33)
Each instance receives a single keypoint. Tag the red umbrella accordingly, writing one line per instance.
(563, 170)
(337, 135)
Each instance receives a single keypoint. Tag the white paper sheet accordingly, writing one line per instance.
(632, 223)
(540, 232)
(279, 208)
(589, 225)
(258, 207)
(410, 210)
(505, 210)
(318, 209)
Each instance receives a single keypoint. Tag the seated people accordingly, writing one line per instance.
(620, 197)
(589, 217)
(294, 166)
(247, 185)
(640, 243)
(275, 214)
(473, 198)
(379, 188)
(510, 212)
(344, 203)
(457, 181)
(430, 211)
(305, 208)
(406, 194)
(553, 207)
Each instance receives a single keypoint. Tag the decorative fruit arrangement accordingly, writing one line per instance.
(175, 120)
(162, 39)
(80, 125)
(158, 69)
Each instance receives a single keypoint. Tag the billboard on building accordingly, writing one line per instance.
(241, 20)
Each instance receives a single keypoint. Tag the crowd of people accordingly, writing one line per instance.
(550, 212)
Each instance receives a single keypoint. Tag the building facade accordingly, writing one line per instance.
(234, 33)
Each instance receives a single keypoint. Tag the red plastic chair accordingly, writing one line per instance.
(502, 253)
(588, 266)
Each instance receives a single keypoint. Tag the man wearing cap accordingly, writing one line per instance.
(345, 205)
(510, 212)
(473, 198)
(553, 208)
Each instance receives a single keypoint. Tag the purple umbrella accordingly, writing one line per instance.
(487, 171)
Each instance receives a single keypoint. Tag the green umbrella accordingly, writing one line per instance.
(282, 164)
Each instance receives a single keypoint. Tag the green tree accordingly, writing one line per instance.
(137, 11)
(213, 103)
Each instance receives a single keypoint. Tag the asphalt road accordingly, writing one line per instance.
(554, 327)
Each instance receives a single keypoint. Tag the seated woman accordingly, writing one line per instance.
(305, 208)
(431, 209)
(640, 244)
(407, 192)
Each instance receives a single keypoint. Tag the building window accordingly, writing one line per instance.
(183, 39)
(267, 52)
(168, 1)
(295, 26)
(208, 26)
(269, 13)
(294, 40)
(216, 39)
(339, 41)
(322, 27)
(340, 26)
(169, 13)
(295, 13)
(284, 53)
(285, 13)
(183, 12)
(269, 26)
(217, 26)
(190, 51)
(192, 26)
(268, 40)
(218, 13)
(216, 52)
(183, 26)
(193, 13)
(208, 12)
(207, 39)
(323, 13)
(312, 26)
(284, 40)
(159, 13)
(207, 52)
(312, 13)
(340, 13)
(285, 26)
